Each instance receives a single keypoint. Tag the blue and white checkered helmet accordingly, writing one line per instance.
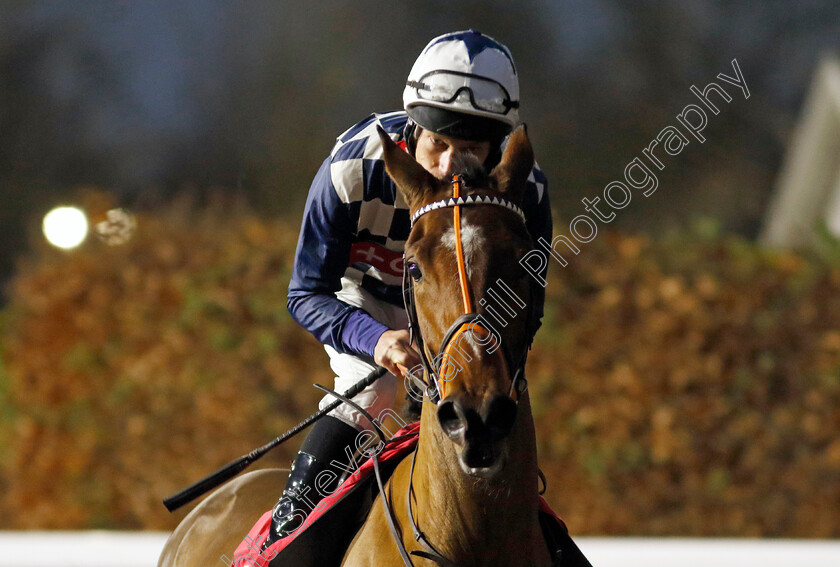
(465, 72)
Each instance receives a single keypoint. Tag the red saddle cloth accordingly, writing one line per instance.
(249, 554)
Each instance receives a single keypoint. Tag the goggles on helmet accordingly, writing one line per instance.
(446, 86)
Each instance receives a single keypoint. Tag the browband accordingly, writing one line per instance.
(469, 200)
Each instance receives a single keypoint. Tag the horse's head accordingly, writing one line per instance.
(471, 296)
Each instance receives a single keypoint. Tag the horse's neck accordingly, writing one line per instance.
(461, 514)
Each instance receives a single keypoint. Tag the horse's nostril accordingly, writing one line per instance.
(500, 416)
(451, 419)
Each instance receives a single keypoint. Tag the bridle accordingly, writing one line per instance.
(432, 384)
(469, 322)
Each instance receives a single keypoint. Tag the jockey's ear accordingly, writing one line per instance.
(517, 161)
(412, 180)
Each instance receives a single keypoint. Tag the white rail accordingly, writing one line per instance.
(141, 549)
(650, 552)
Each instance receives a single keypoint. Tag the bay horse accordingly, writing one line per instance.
(209, 534)
(471, 488)
(468, 496)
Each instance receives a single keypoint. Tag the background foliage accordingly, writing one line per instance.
(687, 384)
(151, 97)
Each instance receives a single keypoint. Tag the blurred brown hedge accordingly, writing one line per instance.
(687, 385)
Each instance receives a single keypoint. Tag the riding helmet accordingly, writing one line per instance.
(464, 85)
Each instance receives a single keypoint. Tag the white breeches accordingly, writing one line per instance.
(349, 369)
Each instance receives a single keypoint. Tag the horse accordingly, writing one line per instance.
(209, 534)
(469, 496)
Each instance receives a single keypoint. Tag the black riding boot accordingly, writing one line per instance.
(326, 442)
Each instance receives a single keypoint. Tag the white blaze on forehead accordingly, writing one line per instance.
(472, 240)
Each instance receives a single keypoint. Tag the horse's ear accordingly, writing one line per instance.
(515, 167)
(412, 180)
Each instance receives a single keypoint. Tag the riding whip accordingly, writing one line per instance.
(233, 468)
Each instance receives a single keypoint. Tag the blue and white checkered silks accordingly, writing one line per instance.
(353, 233)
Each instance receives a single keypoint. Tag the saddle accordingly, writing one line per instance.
(323, 539)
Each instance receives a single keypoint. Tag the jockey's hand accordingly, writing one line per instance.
(395, 352)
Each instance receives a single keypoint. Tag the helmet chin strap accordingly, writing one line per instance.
(411, 132)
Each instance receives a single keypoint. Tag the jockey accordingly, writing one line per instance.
(462, 95)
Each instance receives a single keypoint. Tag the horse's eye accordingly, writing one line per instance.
(414, 271)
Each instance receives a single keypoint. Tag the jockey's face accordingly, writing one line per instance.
(435, 151)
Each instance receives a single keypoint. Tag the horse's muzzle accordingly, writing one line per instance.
(478, 433)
